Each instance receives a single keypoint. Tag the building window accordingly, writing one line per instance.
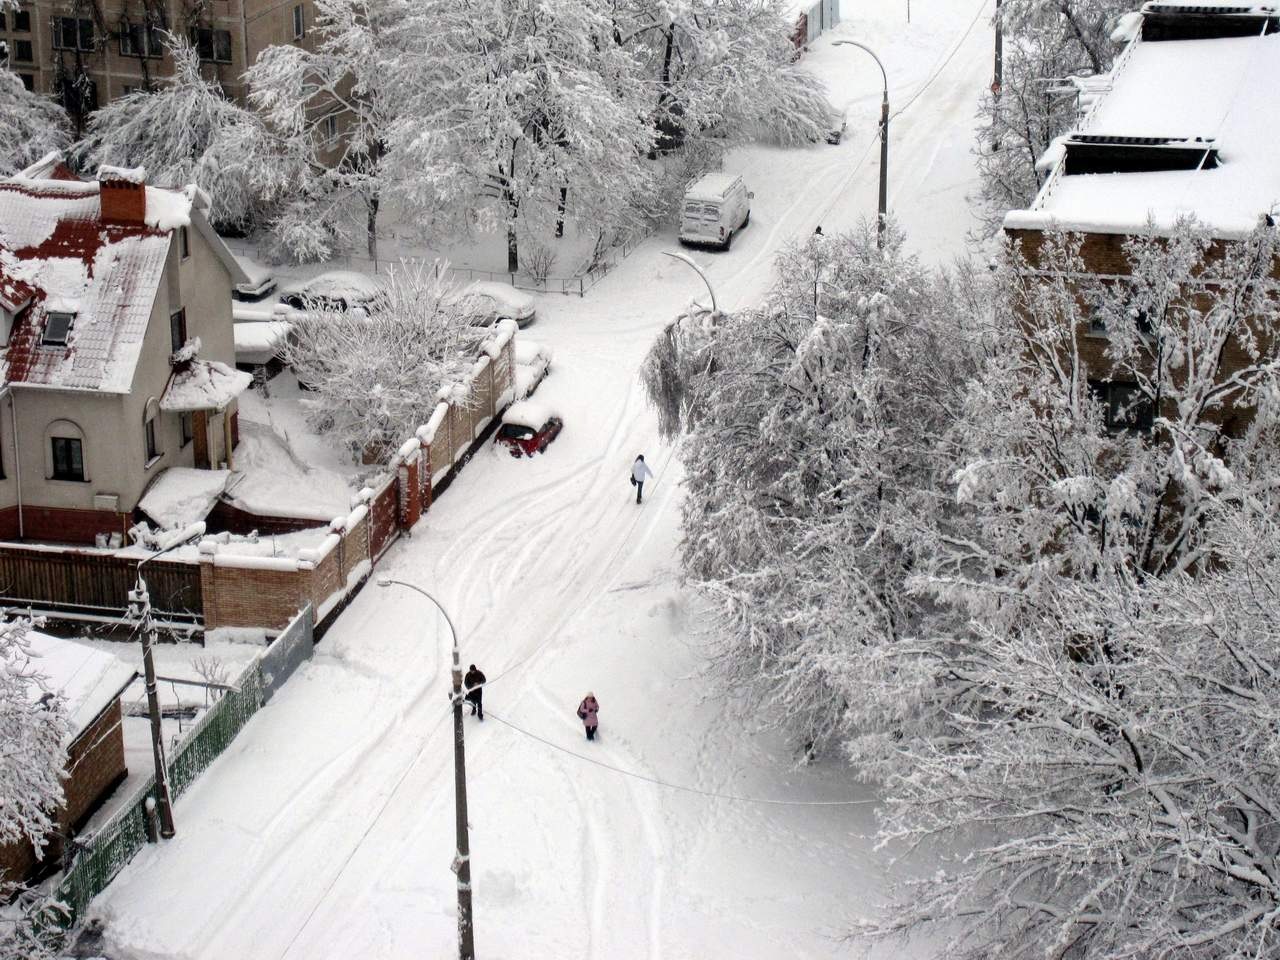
(212, 45)
(57, 328)
(185, 239)
(150, 418)
(299, 23)
(28, 81)
(137, 40)
(1124, 406)
(186, 424)
(22, 51)
(68, 458)
(178, 329)
(22, 21)
(153, 450)
(71, 33)
(331, 129)
(2, 20)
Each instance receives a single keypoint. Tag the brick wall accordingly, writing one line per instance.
(95, 767)
(63, 525)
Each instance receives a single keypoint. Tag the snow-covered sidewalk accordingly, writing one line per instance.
(326, 830)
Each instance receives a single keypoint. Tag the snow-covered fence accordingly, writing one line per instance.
(98, 858)
(287, 652)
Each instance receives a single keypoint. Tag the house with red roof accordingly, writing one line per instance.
(118, 358)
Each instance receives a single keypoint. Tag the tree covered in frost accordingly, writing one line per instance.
(328, 112)
(32, 726)
(1047, 44)
(31, 125)
(186, 131)
(529, 108)
(815, 421)
(375, 375)
(720, 70)
(1103, 741)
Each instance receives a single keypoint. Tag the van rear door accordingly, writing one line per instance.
(700, 219)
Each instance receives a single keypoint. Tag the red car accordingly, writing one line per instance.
(527, 428)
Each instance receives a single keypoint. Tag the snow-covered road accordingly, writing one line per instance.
(326, 831)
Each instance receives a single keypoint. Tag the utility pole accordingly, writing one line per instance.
(997, 81)
(140, 607)
(462, 859)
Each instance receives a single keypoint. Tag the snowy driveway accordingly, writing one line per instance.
(326, 830)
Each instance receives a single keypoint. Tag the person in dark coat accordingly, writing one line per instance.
(587, 711)
(473, 684)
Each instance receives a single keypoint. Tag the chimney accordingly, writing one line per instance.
(123, 195)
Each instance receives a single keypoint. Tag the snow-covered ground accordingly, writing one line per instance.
(326, 830)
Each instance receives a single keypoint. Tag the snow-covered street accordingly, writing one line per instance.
(326, 830)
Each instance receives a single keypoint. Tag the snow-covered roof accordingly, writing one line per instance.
(711, 186)
(203, 385)
(180, 496)
(260, 342)
(88, 679)
(1211, 99)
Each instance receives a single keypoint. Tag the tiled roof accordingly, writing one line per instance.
(55, 248)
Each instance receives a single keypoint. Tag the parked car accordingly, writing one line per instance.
(836, 124)
(492, 302)
(527, 427)
(716, 207)
(260, 284)
(334, 290)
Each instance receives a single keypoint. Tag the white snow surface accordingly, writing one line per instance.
(204, 385)
(533, 414)
(182, 495)
(88, 679)
(1223, 90)
(326, 830)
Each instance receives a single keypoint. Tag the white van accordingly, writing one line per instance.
(716, 207)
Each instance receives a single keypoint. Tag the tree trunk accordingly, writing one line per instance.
(564, 197)
(372, 205)
(513, 245)
(664, 95)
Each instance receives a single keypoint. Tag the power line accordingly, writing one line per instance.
(943, 65)
(679, 786)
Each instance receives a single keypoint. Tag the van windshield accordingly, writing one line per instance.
(697, 210)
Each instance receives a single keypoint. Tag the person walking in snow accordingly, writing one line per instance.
(473, 683)
(639, 470)
(587, 711)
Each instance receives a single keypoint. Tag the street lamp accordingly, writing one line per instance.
(884, 141)
(462, 861)
(140, 606)
(689, 261)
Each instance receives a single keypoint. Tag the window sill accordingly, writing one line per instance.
(153, 461)
(67, 479)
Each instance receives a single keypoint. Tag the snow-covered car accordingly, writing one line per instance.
(490, 302)
(527, 428)
(532, 362)
(334, 290)
(838, 121)
(260, 284)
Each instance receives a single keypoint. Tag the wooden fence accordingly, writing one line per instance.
(90, 584)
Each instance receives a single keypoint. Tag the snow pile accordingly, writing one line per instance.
(167, 209)
(204, 385)
(183, 495)
(259, 343)
(528, 413)
(107, 173)
(271, 480)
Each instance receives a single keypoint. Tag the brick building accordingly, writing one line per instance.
(118, 355)
(1182, 126)
(91, 683)
(86, 53)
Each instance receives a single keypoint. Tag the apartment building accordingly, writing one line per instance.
(86, 53)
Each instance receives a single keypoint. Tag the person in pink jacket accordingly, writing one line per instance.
(587, 711)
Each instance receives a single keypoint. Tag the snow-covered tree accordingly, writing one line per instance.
(328, 112)
(528, 109)
(32, 725)
(814, 426)
(31, 125)
(186, 131)
(1101, 720)
(1048, 43)
(376, 373)
(721, 70)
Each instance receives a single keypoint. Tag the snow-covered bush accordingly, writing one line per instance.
(31, 125)
(376, 373)
(186, 131)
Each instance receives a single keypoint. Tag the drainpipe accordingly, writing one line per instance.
(17, 458)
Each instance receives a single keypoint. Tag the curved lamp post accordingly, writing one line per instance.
(689, 261)
(884, 141)
(462, 861)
